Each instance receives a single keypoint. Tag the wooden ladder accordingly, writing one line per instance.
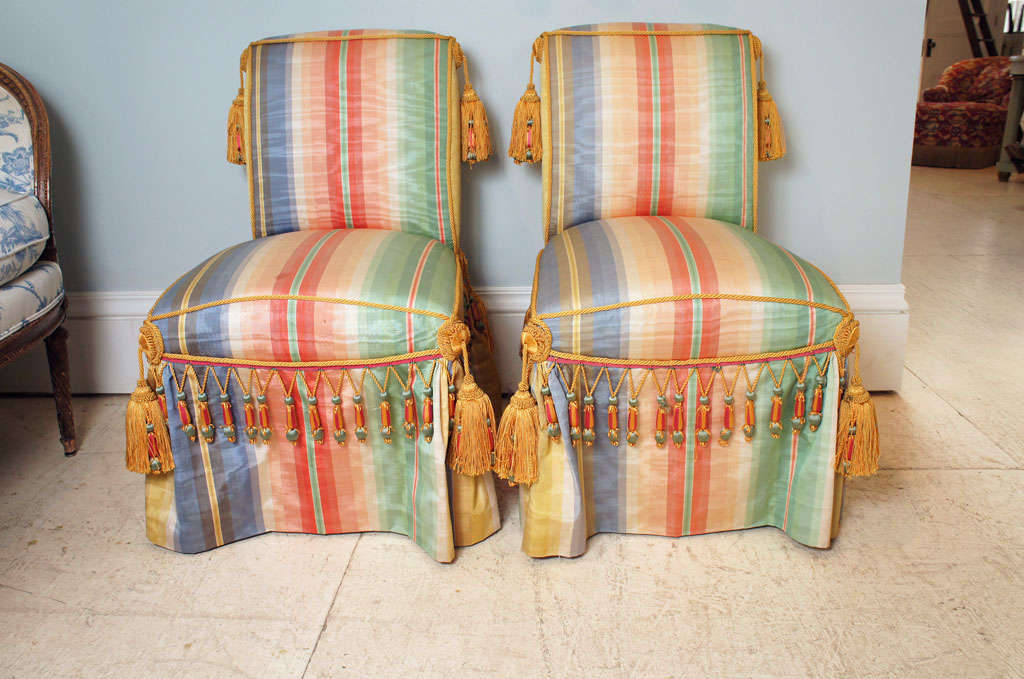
(978, 31)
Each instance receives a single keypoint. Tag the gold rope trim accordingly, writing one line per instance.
(681, 298)
(339, 38)
(733, 31)
(744, 358)
(300, 298)
(397, 358)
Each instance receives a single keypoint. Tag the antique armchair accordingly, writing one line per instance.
(314, 378)
(681, 374)
(960, 120)
(33, 306)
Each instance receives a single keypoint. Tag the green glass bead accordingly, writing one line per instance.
(725, 434)
(311, 400)
(180, 396)
(634, 402)
(776, 391)
(729, 400)
(554, 431)
(340, 435)
(703, 436)
(703, 400)
(588, 400)
(545, 390)
(822, 380)
(406, 395)
(159, 389)
(677, 438)
(798, 423)
(201, 396)
(428, 391)
(801, 386)
(428, 431)
(224, 398)
(262, 398)
(750, 395)
(659, 437)
(251, 433)
(678, 398)
(229, 431)
(571, 396)
(336, 400)
(154, 465)
(208, 433)
(289, 400)
(588, 435)
(361, 433)
(266, 433)
(246, 398)
(318, 435)
(632, 438)
(662, 401)
(357, 398)
(814, 419)
(749, 429)
(149, 428)
(452, 389)
(292, 435)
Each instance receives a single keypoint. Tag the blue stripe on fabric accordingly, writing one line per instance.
(586, 190)
(278, 169)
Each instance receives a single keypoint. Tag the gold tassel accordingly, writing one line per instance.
(515, 454)
(525, 146)
(857, 448)
(474, 430)
(148, 449)
(476, 134)
(771, 137)
(236, 116)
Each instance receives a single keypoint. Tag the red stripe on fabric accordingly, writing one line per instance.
(744, 67)
(668, 124)
(332, 115)
(437, 140)
(324, 454)
(680, 279)
(601, 364)
(676, 480)
(305, 310)
(295, 459)
(811, 323)
(711, 309)
(645, 123)
(279, 331)
(356, 129)
(413, 289)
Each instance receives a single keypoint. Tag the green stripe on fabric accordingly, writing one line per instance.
(293, 305)
(314, 480)
(346, 187)
(656, 120)
(695, 286)
(691, 452)
(725, 121)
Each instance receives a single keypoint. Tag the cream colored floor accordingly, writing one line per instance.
(926, 580)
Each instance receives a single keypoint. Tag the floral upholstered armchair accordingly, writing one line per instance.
(960, 121)
(316, 378)
(681, 374)
(33, 306)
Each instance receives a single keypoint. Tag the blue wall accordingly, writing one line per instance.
(138, 94)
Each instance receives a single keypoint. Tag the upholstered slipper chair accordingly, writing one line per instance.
(315, 378)
(681, 374)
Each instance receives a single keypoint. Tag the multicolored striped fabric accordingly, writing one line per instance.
(641, 121)
(638, 260)
(313, 296)
(348, 129)
(786, 482)
(223, 490)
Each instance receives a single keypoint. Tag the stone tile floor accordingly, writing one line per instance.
(926, 579)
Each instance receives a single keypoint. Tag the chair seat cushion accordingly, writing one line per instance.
(29, 296)
(23, 233)
(679, 288)
(312, 296)
(970, 124)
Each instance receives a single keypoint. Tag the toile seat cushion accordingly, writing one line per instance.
(24, 230)
(312, 296)
(29, 296)
(680, 288)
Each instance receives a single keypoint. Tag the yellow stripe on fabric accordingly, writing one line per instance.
(211, 483)
(545, 134)
(561, 137)
(253, 69)
(300, 298)
(159, 500)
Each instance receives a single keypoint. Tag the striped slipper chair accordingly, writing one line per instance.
(315, 378)
(681, 374)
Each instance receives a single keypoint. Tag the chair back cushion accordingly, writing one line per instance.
(648, 119)
(984, 79)
(16, 171)
(353, 129)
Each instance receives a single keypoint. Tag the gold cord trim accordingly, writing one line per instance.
(744, 358)
(681, 298)
(300, 298)
(340, 38)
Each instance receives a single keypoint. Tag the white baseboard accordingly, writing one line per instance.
(104, 329)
